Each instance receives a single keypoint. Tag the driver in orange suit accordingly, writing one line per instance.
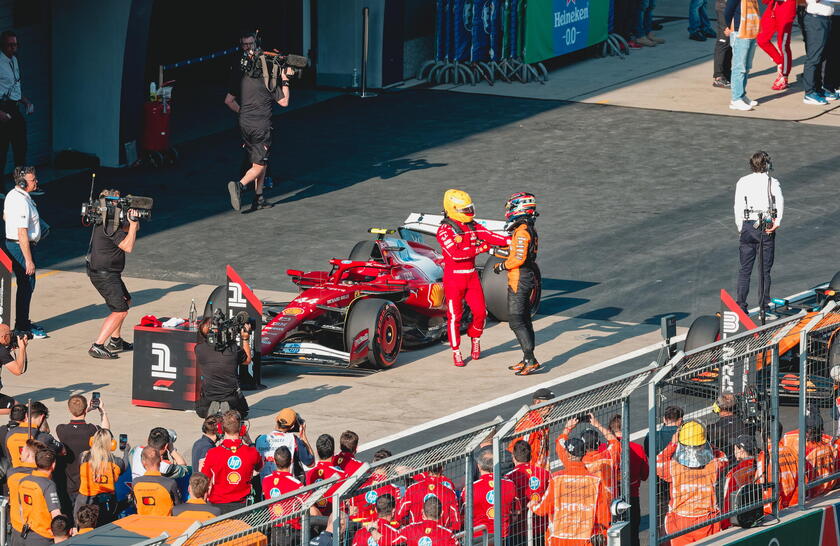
(461, 240)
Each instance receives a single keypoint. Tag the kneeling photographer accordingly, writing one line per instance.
(13, 358)
(219, 357)
(114, 234)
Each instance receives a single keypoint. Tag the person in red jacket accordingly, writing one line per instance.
(428, 532)
(434, 483)
(531, 482)
(346, 459)
(485, 502)
(276, 484)
(324, 469)
(742, 473)
(639, 471)
(231, 465)
(778, 19)
(385, 527)
(363, 506)
(461, 240)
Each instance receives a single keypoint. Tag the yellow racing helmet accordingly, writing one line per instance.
(692, 434)
(459, 206)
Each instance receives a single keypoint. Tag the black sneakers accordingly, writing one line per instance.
(99, 351)
(235, 190)
(118, 345)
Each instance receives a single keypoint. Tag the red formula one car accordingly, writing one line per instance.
(385, 296)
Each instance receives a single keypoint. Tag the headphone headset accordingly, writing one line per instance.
(20, 177)
(767, 161)
(243, 430)
(113, 442)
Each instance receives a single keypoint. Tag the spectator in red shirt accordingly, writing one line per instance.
(363, 507)
(531, 482)
(231, 465)
(346, 459)
(434, 483)
(639, 471)
(383, 527)
(484, 502)
(279, 483)
(428, 532)
(324, 470)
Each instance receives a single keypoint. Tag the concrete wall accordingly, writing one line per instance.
(88, 46)
(340, 41)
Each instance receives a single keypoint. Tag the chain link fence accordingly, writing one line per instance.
(714, 452)
(545, 458)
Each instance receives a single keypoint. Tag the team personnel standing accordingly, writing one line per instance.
(537, 438)
(759, 207)
(110, 241)
(23, 232)
(346, 459)
(98, 474)
(39, 500)
(276, 484)
(14, 477)
(324, 470)
(16, 437)
(485, 503)
(778, 19)
(256, 97)
(461, 240)
(428, 532)
(154, 495)
(742, 29)
(12, 123)
(290, 432)
(521, 265)
(577, 486)
(434, 483)
(531, 482)
(231, 465)
(76, 436)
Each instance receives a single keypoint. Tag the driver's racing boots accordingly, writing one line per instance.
(457, 359)
(475, 352)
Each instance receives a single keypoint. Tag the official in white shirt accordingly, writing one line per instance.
(23, 231)
(757, 196)
(12, 123)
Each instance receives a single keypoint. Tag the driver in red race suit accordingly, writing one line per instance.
(461, 240)
(521, 213)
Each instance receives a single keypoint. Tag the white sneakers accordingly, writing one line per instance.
(740, 105)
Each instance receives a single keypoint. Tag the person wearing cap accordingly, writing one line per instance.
(693, 469)
(290, 432)
(728, 427)
(576, 486)
(537, 438)
(744, 472)
(606, 463)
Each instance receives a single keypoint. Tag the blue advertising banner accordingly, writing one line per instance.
(462, 29)
(480, 50)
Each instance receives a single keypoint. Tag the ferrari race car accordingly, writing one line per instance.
(386, 295)
(823, 354)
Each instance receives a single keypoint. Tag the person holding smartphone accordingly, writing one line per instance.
(75, 436)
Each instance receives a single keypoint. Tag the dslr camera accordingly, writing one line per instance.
(112, 210)
(224, 331)
(13, 344)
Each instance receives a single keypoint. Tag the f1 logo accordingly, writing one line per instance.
(163, 367)
(235, 298)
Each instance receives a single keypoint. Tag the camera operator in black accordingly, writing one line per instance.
(219, 371)
(105, 263)
(14, 361)
(252, 96)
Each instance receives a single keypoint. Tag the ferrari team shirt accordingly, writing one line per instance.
(324, 470)
(279, 483)
(425, 533)
(411, 504)
(485, 503)
(347, 462)
(230, 467)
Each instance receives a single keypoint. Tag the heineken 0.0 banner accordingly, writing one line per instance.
(557, 27)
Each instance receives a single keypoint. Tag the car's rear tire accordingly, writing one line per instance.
(217, 300)
(362, 251)
(381, 321)
(495, 290)
(703, 331)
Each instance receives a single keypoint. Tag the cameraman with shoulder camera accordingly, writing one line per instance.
(256, 91)
(219, 365)
(105, 263)
(13, 358)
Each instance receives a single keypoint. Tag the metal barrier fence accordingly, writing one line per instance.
(280, 520)
(712, 468)
(590, 433)
(441, 468)
(817, 464)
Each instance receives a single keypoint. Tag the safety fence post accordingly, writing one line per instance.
(363, 92)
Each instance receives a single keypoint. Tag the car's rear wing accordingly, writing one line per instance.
(429, 223)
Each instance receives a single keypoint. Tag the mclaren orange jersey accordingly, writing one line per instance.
(823, 463)
(523, 250)
(740, 475)
(196, 510)
(577, 504)
(92, 483)
(537, 439)
(38, 498)
(155, 495)
(692, 489)
(13, 480)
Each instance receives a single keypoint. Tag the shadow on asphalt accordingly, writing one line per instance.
(100, 311)
(272, 404)
(59, 394)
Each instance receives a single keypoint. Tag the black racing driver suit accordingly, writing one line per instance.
(522, 279)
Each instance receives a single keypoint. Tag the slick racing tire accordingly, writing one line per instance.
(217, 300)
(495, 290)
(375, 324)
(703, 331)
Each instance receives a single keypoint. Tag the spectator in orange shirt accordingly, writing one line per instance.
(693, 469)
(819, 453)
(538, 438)
(742, 473)
(788, 474)
(607, 463)
(576, 501)
(639, 471)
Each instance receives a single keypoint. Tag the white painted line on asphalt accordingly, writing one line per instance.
(518, 394)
